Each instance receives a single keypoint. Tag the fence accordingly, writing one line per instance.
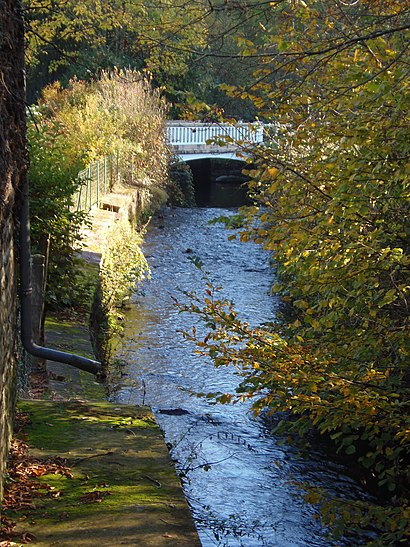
(98, 179)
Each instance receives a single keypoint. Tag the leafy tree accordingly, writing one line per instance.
(54, 225)
(189, 48)
(332, 205)
(81, 38)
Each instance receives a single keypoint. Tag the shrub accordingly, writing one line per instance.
(180, 185)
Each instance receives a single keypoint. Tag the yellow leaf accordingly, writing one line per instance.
(273, 172)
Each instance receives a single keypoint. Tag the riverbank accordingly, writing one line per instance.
(121, 486)
(113, 481)
(99, 473)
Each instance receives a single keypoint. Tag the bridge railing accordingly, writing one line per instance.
(195, 133)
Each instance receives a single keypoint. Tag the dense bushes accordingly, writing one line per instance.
(118, 114)
(55, 226)
(180, 185)
(121, 114)
(123, 266)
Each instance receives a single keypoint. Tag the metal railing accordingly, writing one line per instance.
(195, 133)
(98, 179)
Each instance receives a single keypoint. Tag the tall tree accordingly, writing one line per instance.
(84, 37)
(189, 48)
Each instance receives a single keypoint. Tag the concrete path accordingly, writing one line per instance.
(115, 452)
(123, 489)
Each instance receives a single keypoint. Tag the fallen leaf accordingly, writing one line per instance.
(94, 497)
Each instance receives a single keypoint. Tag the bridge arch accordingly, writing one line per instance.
(229, 156)
(218, 181)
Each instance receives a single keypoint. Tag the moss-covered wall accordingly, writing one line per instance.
(12, 169)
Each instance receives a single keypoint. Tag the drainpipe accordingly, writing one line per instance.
(25, 300)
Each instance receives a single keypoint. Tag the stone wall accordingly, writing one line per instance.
(7, 336)
(13, 164)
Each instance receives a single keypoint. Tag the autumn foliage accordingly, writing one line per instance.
(331, 204)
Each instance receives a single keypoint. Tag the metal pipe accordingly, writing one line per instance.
(26, 290)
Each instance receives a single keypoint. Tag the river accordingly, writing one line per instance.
(238, 478)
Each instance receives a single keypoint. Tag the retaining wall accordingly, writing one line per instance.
(13, 163)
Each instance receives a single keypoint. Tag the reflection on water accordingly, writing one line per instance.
(237, 478)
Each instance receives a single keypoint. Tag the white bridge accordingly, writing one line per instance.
(192, 140)
(189, 140)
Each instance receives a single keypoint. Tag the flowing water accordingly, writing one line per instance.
(238, 479)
